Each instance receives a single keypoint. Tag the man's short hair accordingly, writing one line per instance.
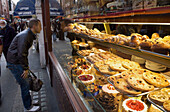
(33, 22)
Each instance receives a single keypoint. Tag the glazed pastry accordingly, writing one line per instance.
(135, 41)
(155, 36)
(117, 66)
(105, 69)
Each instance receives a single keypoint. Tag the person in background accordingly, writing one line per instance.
(17, 61)
(8, 34)
(1, 46)
(54, 29)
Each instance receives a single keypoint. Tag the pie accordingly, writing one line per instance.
(139, 83)
(155, 79)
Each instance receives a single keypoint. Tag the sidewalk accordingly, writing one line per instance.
(11, 97)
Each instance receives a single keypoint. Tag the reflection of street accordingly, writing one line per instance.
(11, 97)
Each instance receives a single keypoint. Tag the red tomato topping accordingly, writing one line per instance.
(135, 105)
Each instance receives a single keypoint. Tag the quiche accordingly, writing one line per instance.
(156, 79)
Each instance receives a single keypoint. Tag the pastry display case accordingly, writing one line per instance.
(115, 61)
(116, 72)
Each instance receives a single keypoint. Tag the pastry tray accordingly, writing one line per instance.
(159, 106)
(144, 93)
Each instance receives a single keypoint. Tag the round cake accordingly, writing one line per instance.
(86, 69)
(108, 88)
(134, 105)
(85, 78)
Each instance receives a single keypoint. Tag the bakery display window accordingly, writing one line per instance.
(127, 70)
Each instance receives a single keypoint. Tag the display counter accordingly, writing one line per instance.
(93, 66)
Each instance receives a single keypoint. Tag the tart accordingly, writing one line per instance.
(86, 69)
(134, 105)
(108, 88)
(85, 79)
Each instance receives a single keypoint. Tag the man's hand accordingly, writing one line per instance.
(25, 74)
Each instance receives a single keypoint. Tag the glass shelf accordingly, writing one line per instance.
(152, 56)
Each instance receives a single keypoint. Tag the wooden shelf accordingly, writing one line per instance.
(143, 15)
(152, 56)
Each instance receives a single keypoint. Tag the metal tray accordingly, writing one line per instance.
(159, 106)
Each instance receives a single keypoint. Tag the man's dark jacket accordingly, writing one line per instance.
(8, 35)
(18, 50)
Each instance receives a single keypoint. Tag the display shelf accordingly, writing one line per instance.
(151, 11)
(152, 56)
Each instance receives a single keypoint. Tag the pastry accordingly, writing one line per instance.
(139, 84)
(161, 47)
(99, 63)
(134, 105)
(105, 69)
(85, 79)
(159, 97)
(93, 89)
(117, 66)
(166, 105)
(108, 88)
(146, 44)
(86, 69)
(101, 80)
(107, 101)
(166, 90)
(156, 79)
(126, 74)
(124, 87)
(139, 72)
(155, 36)
(130, 64)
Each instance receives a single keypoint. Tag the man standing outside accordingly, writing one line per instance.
(17, 60)
(8, 34)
